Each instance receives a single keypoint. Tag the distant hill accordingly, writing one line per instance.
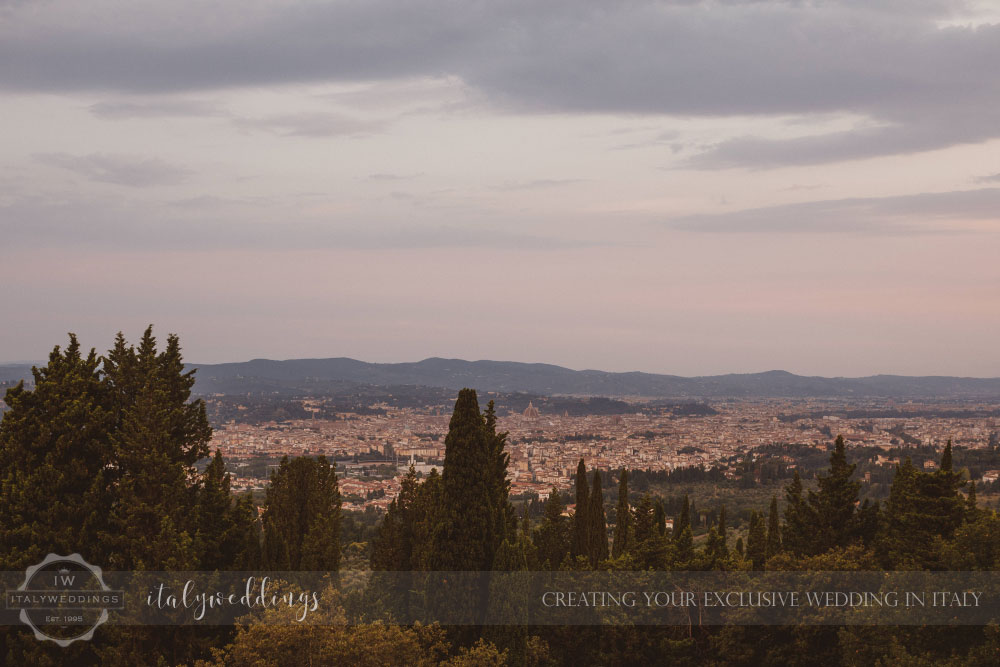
(341, 374)
(317, 375)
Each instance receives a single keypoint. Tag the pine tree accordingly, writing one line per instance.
(598, 529)
(158, 437)
(581, 518)
(620, 543)
(54, 455)
(833, 504)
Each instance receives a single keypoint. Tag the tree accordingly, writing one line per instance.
(722, 532)
(99, 459)
(467, 538)
(302, 516)
(833, 504)
(660, 517)
(622, 518)
(228, 533)
(581, 518)
(773, 540)
(598, 529)
(505, 521)
(53, 456)
(159, 434)
(552, 536)
(757, 541)
(683, 520)
(797, 531)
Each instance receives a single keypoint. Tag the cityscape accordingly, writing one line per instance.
(374, 451)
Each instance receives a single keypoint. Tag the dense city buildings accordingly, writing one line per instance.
(373, 450)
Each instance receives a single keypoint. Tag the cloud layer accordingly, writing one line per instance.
(922, 83)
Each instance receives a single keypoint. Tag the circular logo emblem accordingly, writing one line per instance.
(63, 599)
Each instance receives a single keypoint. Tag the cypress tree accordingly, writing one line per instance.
(757, 541)
(552, 536)
(598, 530)
(645, 524)
(468, 532)
(797, 532)
(946, 458)
(505, 521)
(660, 517)
(581, 517)
(684, 519)
(722, 532)
(622, 518)
(773, 542)
(225, 528)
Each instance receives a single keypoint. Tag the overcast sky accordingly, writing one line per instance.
(684, 187)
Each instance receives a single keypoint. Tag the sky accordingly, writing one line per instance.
(687, 187)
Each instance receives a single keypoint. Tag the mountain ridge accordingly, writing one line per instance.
(316, 375)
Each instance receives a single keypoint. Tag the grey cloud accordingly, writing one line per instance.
(883, 59)
(130, 170)
(155, 109)
(312, 124)
(916, 136)
(928, 213)
(68, 220)
(992, 178)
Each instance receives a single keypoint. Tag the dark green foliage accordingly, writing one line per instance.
(54, 493)
(833, 503)
(722, 527)
(683, 520)
(756, 546)
(620, 542)
(475, 507)
(505, 521)
(773, 540)
(552, 536)
(922, 506)
(581, 518)
(598, 528)
(302, 516)
(660, 518)
(797, 532)
(228, 532)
